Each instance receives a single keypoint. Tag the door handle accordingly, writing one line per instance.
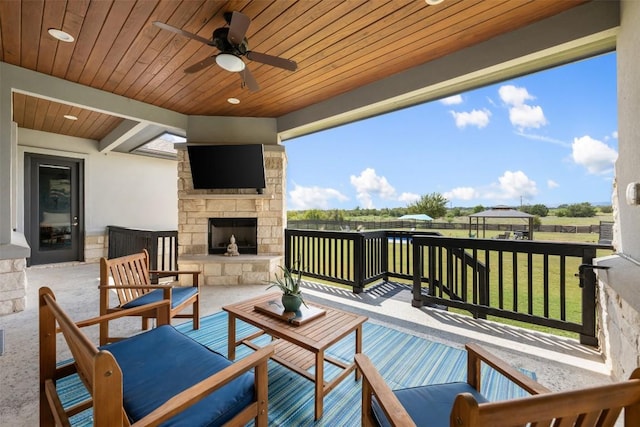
(75, 221)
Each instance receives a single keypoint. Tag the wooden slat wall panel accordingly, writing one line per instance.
(53, 18)
(86, 42)
(128, 41)
(41, 114)
(137, 70)
(407, 55)
(364, 64)
(30, 39)
(339, 45)
(72, 24)
(114, 26)
(10, 19)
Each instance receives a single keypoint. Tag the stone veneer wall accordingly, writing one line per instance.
(195, 207)
(618, 330)
(13, 285)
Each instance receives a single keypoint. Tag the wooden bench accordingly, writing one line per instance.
(461, 404)
(148, 378)
(129, 276)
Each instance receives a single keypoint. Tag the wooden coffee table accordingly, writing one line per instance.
(300, 347)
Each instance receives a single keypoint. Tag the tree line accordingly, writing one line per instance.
(435, 205)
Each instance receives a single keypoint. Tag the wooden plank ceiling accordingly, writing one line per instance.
(338, 46)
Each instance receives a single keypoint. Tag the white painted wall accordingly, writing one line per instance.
(120, 189)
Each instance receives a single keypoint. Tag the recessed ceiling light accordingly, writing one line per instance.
(234, 101)
(70, 117)
(61, 35)
(433, 2)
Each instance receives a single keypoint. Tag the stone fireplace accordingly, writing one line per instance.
(260, 259)
(245, 231)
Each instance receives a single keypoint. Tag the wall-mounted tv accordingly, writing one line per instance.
(227, 166)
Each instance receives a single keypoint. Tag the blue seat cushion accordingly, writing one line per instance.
(179, 295)
(428, 405)
(158, 364)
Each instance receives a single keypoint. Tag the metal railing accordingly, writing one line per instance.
(528, 281)
(350, 258)
(161, 245)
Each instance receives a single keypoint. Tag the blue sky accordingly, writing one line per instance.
(549, 137)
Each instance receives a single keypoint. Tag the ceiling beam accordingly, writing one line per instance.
(121, 134)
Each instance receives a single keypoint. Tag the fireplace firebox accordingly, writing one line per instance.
(245, 230)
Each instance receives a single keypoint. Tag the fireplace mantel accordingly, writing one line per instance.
(228, 196)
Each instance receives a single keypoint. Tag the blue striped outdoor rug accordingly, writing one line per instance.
(402, 359)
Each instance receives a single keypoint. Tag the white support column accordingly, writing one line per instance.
(13, 246)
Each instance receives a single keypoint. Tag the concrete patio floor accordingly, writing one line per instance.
(559, 363)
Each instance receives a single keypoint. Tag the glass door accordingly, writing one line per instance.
(52, 209)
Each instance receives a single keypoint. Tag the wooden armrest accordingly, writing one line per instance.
(161, 306)
(172, 272)
(134, 286)
(372, 382)
(197, 392)
(167, 273)
(477, 354)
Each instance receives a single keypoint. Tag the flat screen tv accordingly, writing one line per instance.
(227, 166)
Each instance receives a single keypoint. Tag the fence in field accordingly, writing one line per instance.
(433, 225)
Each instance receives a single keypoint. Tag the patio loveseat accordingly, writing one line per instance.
(149, 378)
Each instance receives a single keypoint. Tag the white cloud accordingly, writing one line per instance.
(512, 95)
(462, 193)
(303, 198)
(522, 115)
(594, 155)
(511, 185)
(552, 184)
(479, 118)
(516, 184)
(409, 197)
(369, 184)
(452, 100)
(527, 116)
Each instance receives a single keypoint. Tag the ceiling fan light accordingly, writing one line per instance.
(230, 62)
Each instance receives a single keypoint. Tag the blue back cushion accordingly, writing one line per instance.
(178, 295)
(160, 363)
(428, 405)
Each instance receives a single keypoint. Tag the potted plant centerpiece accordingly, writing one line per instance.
(290, 287)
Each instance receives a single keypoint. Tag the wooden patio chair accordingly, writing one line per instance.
(129, 276)
(462, 404)
(149, 378)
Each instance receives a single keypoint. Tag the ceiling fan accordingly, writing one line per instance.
(233, 45)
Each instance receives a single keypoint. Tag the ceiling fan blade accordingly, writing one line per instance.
(200, 65)
(249, 80)
(181, 32)
(272, 60)
(238, 28)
